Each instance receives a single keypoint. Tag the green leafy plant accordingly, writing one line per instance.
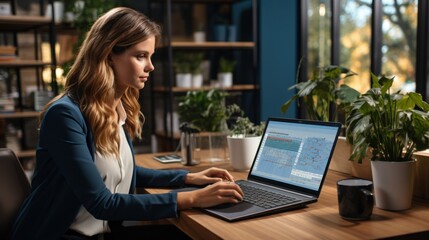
(205, 110)
(391, 126)
(181, 63)
(240, 125)
(246, 128)
(195, 59)
(188, 62)
(322, 90)
(226, 65)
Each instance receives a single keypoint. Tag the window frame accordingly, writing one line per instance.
(422, 63)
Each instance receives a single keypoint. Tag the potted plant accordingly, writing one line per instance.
(324, 93)
(243, 142)
(195, 60)
(182, 67)
(392, 126)
(204, 110)
(323, 90)
(226, 67)
(200, 34)
(206, 113)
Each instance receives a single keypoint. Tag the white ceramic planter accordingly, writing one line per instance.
(225, 79)
(242, 151)
(184, 80)
(197, 80)
(393, 184)
(199, 36)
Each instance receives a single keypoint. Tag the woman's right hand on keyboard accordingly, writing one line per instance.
(212, 195)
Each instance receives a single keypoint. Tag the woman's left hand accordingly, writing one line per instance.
(209, 176)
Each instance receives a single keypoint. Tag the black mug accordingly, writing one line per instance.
(355, 198)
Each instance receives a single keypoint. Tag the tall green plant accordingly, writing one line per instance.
(322, 90)
(393, 126)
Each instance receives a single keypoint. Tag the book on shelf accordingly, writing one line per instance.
(7, 53)
(4, 58)
(6, 49)
(7, 105)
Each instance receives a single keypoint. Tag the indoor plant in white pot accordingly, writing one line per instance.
(226, 67)
(392, 126)
(195, 60)
(182, 66)
(243, 142)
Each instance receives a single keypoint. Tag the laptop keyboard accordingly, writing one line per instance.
(264, 198)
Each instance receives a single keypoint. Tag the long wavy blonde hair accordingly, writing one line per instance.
(90, 81)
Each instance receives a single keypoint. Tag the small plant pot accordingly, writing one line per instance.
(184, 80)
(225, 79)
(393, 184)
(242, 151)
(199, 36)
(197, 80)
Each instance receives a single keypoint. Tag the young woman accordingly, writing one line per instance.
(85, 175)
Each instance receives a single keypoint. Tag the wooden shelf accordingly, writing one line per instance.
(24, 63)
(24, 114)
(239, 87)
(189, 44)
(22, 23)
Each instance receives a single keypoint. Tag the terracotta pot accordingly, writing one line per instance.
(340, 161)
(362, 170)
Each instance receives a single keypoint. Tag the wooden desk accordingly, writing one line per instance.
(319, 220)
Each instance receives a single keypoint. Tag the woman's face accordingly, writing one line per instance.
(132, 67)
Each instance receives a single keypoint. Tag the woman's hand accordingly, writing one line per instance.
(209, 176)
(212, 195)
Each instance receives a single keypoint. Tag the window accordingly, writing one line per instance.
(378, 36)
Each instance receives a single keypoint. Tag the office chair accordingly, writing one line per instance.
(14, 188)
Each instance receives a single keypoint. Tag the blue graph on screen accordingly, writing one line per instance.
(292, 159)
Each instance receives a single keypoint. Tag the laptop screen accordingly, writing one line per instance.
(295, 152)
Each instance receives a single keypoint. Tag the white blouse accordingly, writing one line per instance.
(117, 174)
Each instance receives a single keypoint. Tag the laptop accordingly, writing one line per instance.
(289, 168)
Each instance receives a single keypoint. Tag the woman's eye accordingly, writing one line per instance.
(142, 56)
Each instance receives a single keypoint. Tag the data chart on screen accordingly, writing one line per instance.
(295, 153)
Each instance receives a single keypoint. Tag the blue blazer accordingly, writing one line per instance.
(66, 178)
